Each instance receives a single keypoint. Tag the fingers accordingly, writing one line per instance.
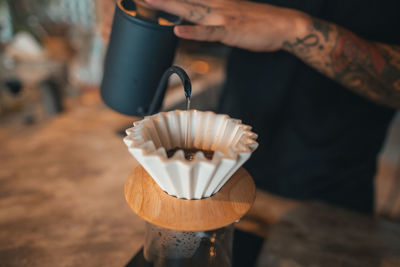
(201, 33)
(196, 11)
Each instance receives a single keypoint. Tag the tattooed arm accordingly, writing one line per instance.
(368, 68)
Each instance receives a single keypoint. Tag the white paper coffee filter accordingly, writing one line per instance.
(231, 141)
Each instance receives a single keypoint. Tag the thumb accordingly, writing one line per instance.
(201, 32)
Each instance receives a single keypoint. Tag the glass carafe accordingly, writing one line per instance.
(170, 248)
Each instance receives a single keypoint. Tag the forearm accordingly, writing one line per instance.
(368, 68)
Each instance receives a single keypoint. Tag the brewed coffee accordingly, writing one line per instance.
(190, 152)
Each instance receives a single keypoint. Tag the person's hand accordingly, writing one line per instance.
(248, 25)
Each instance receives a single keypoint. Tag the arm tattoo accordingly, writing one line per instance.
(303, 44)
(322, 27)
(368, 68)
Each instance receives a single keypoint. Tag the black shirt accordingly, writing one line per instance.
(318, 140)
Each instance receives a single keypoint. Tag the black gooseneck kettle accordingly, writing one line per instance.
(138, 61)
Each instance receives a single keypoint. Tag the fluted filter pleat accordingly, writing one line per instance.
(150, 139)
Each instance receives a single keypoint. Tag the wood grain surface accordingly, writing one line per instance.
(231, 203)
(320, 235)
(61, 191)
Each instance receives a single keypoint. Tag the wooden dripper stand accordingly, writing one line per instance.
(190, 206)
(192, 232)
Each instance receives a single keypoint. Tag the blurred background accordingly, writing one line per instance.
(63, 162)
(51, 56)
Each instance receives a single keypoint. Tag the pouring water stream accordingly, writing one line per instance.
(160, 92)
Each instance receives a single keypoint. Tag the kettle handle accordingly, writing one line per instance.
(162, 87)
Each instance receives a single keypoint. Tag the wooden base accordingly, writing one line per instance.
(232, 202)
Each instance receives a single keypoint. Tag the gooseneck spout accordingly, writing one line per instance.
(162, 87)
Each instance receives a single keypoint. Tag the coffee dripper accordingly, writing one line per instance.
(190, 206)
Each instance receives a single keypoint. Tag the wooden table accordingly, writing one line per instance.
(62, 192)
(62, 204)
(315, 234)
